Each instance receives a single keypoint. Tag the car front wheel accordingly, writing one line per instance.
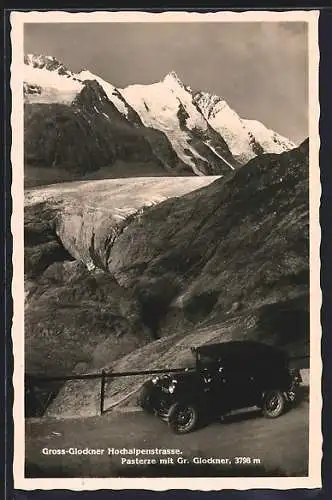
(182, 417)
(274, 404)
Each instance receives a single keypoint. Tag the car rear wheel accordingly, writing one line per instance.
(182, 418)
(274, 404)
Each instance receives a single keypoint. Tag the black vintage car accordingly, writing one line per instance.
(226, 377)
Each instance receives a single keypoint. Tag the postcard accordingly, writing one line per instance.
(166, 188)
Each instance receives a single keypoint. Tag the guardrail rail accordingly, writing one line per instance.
(33, 381)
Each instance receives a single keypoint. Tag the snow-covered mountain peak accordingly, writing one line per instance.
(112, 92)
(245, 138)
(48, 63)
(204, 132)
(85, 74)
(47, 80)
(168, 106)
(172, 78)
(39, 60)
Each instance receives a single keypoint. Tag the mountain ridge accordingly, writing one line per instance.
(246, 138)
(184, 136)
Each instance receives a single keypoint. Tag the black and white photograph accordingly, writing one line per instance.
(166, 328)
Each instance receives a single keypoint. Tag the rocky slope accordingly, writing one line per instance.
(105, 275)
(81, 122)
(283, 323)
(73, 304)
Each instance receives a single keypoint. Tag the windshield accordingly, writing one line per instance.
(207, 361)
(188, 359)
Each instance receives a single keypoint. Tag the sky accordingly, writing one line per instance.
(260, 69)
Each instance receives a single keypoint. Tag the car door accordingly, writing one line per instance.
(239, 385)
(212, 386)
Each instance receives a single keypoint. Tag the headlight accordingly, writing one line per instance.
(154, 380)
(171, 389)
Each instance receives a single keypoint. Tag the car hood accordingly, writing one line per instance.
(176, 378)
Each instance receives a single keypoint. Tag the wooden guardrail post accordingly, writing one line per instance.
(102, 391)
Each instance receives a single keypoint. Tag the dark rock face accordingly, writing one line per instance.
(236, 248)
(75, 315)
(71, 312)
(89, 134)
(42, 247)
(240, 240)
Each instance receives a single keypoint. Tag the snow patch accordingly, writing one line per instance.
(55, 88)
(271, 141)
(219, 155)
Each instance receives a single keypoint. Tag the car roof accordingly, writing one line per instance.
(239, 349)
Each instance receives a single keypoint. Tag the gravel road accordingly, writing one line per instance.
(275, 447)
